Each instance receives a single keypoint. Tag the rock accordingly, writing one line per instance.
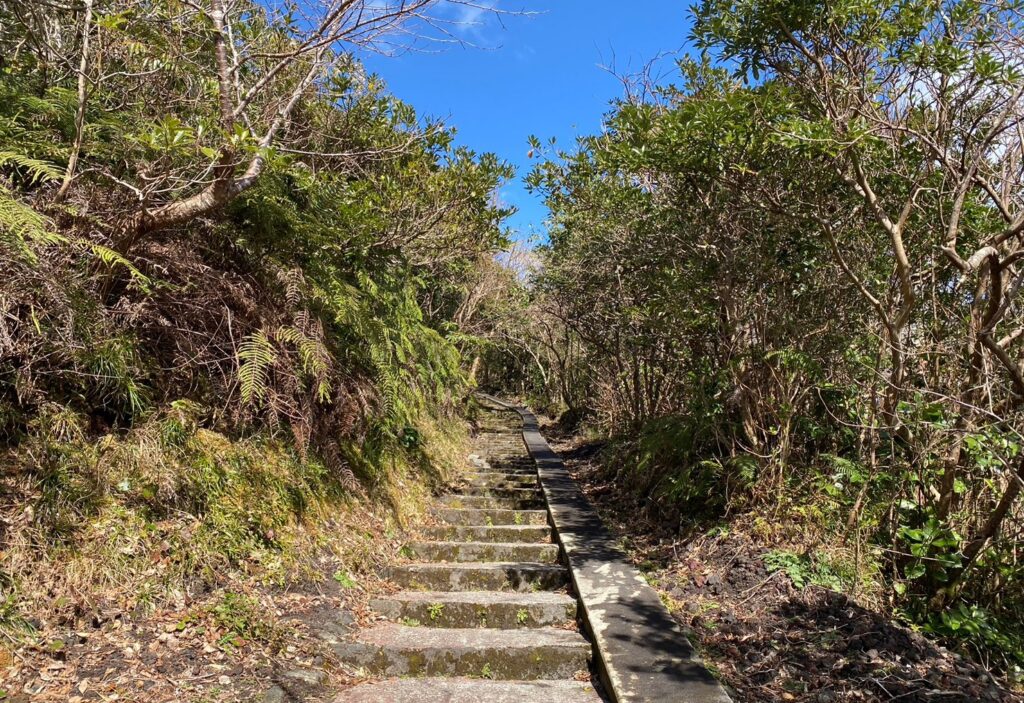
(343, 624)
(330, 633)
(305, 676)
(275, 694)
(346, 618)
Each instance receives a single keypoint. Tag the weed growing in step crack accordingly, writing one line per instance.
(435, 610)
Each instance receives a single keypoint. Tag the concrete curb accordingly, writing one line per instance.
(641, 652)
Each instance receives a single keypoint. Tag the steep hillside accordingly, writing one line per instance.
(236, 289)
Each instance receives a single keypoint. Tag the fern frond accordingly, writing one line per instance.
(38, 171)
(293, 282)
(288, 335)
(303, 320)
(314, 356)
(113, 259)
(255, 357)
(21, 226)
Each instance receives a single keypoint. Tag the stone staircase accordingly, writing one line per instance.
(485, 614)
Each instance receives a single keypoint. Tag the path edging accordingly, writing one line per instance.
(641, 653)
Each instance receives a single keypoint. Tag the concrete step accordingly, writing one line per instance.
(499, 480)
(513, 471)
(469, 691)
(497, 467)
(473, 486)
(484, 551)
(455, 500)
(470, 609)
(499, 488)
(398, 650)
(495, 492)
(488, 533)
(503, 456)
(507, 576)
(497, 517)
(512, 464)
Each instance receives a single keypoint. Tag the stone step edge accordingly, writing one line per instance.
(495, 534)
(469, 690)
(499, 517)
(476, 552)
(465, 609)
(522, 576)
(545, 653)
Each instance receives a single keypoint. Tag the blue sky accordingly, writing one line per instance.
(534, 75)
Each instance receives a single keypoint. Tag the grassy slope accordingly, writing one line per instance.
(176, 561)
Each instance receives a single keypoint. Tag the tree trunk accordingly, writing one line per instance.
(986, 533)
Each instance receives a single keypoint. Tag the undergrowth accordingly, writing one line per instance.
(678, 475)
(170, 509)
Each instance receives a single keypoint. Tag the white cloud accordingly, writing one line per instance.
(472, 18)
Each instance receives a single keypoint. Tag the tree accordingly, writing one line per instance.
(260, 63)
(800, 267)
(919, 109)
